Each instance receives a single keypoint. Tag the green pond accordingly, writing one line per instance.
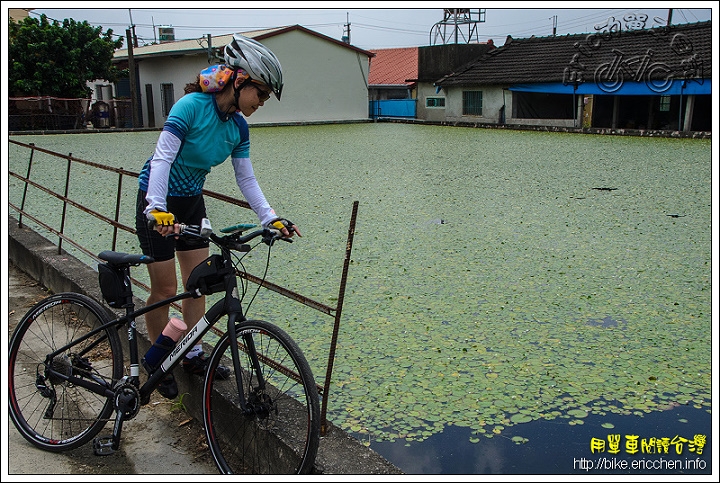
(498, 277)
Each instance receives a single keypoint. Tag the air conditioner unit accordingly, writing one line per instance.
(166, 34)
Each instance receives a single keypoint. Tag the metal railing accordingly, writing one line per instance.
(335, 312)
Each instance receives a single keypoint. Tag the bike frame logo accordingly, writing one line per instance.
(657, 76)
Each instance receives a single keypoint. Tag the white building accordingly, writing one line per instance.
(325, 80)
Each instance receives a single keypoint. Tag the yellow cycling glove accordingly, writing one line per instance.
(163, 218)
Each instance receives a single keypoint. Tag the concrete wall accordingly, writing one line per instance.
(433, 114)
(494, 98)
(323, 81)
(166, 70)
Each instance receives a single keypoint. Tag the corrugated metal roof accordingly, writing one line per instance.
(190, 46)
(187, 46)
(393, 66)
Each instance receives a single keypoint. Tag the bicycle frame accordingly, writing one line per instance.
(229, 305)
(62, 397)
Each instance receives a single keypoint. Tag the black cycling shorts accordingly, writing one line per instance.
(187, 209)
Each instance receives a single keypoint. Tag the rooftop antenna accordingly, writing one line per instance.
(459, 26)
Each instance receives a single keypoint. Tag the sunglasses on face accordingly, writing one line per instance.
(262, 94)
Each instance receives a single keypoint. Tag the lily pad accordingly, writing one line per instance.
(520, 418)
(578, 413)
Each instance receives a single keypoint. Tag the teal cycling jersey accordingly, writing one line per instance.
(206, 141)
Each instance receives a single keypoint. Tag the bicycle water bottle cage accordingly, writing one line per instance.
(207, 278)
(115, 285)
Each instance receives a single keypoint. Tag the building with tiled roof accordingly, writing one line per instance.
(643, 79)
(393, 73)
(436, 61)
(392, 83)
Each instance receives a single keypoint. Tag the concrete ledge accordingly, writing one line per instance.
(339, 453)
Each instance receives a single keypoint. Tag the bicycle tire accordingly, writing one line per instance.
(77, 414)
(283, 435)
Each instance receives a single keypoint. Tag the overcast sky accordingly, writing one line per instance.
(370, 28)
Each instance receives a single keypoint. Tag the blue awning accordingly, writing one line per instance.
(628, 88)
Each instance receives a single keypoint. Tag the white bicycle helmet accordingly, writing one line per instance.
(255, 59)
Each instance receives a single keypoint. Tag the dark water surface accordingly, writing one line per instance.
(556, 447)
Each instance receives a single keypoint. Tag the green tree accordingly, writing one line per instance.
(52, 59)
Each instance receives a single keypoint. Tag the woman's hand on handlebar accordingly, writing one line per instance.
(163, 222)
(168, 230)
(286, 227)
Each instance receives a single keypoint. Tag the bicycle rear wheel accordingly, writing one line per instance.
(51, 413)
(279, 431)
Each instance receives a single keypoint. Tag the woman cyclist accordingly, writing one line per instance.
(203, 129)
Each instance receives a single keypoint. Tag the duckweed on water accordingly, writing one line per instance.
(492, 284)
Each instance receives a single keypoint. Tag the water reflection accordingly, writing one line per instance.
(554, 447)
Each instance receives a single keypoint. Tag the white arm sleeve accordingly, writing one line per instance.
(245, 177)
(166, 150)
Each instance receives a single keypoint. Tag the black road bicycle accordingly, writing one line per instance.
(67, 377)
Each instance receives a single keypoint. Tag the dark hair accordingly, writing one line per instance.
(193, 86)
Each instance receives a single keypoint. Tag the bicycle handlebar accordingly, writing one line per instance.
(234, 239)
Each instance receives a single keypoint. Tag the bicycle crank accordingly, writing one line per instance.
(127, 400)
(127, 406)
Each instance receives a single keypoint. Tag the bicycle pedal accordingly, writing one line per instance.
(103, 446)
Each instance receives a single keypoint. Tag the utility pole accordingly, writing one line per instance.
(669, 16)
(346, 32)
(132, 25)
(554, 19)
(133, 83)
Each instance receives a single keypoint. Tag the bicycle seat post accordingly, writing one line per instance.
(132, 331)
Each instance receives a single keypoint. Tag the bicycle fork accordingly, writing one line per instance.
(248, 404)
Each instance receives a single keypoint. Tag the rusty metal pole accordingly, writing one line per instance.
(64, 209)
(338, 313)
(117, 209)
(22, 203)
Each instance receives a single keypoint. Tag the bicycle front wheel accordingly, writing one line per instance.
(50, 412)
(276, 430)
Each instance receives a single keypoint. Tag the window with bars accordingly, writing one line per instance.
(472, 103)
(664, 103)
(167, 95)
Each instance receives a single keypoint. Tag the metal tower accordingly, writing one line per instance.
(458, 27)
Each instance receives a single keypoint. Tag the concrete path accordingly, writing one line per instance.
(162, 439)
